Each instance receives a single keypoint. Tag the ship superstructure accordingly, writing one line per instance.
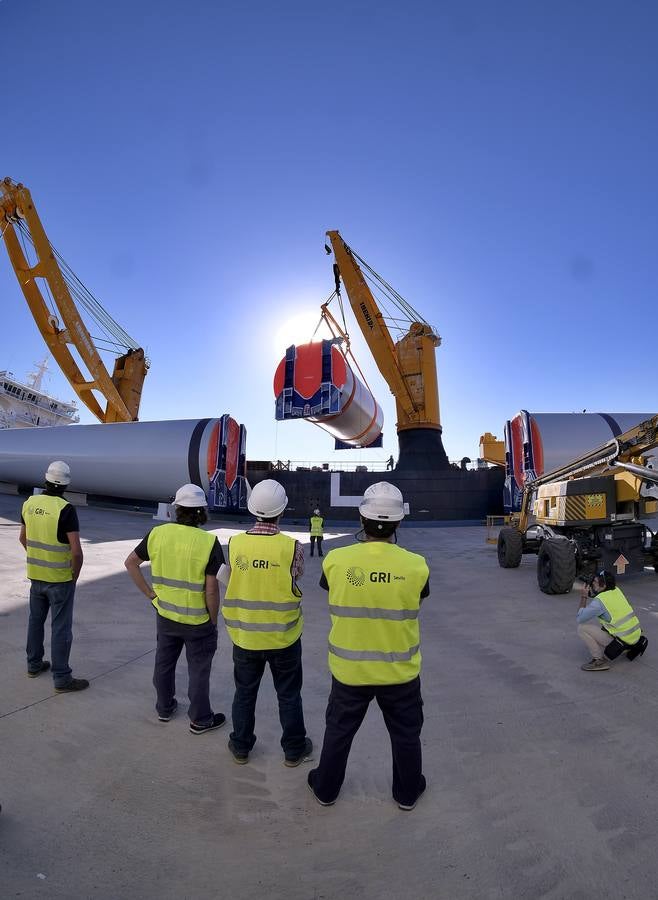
(26, 405)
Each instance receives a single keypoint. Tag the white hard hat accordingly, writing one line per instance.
(316, 512)
(190, 495)
(58, 472)
(267, 499)
(382, 502)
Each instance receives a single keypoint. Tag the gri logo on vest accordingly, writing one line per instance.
(264, 564)
(356, 576)
(242, 563)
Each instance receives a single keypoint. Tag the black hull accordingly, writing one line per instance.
(440, 495)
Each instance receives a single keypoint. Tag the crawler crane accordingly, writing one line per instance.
(20, 228)
(591, 514)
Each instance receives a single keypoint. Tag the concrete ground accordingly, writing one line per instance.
(542, 779)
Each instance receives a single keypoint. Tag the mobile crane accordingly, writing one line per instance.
(21, 226)
(408, 366)
(590, 514)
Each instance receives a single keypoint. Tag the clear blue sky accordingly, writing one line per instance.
(495, 162)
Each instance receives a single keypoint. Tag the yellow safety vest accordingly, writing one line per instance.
(179, 556)
(316, 526)
(374, 599)
(262, 607)
(47, 558)
(624, 623)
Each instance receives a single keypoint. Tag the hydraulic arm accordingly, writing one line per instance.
(120, 391)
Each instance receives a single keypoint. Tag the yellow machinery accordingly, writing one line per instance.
(491, 449)
(590, 514)
(21, 226)
(408, 365)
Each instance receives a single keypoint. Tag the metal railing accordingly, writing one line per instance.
(373, 465)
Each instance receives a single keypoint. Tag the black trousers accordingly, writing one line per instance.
(314, 538)
(200, 642)
(402, 708)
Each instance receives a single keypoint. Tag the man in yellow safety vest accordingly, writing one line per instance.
(375, 591)
(317, 533)
(185, 593)
(607, 623)
(263, 615)
(50, 534)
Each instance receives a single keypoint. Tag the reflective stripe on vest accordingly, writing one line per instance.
(374, 600)
(316, 526)
(47, 559)
(179, 556)
(262, 607)
(624, 623)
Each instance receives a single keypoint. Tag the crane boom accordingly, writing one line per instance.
(122, 390)
(408, 366)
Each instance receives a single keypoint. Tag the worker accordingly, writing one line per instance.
(389, 463)
(50, 533)
(263, 616)
(605, 618)
(375, 591)
(316, 529)
(185, 560)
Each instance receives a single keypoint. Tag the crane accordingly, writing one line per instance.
(20, 227)
(589, 514)
(408, 366)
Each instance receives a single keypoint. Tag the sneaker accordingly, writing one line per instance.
(407, 807)
(304, 756)
(167, 716)
(45, 665)
(595, 665)
(75, 684)
(239, 756)
(310, 787)
(217, 721)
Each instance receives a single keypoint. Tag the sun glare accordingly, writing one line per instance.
(298, 329)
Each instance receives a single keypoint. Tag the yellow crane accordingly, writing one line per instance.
(21, 227)
(408, 365)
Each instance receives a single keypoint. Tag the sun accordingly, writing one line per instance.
(298, 329)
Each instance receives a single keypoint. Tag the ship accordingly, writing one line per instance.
(27, 405)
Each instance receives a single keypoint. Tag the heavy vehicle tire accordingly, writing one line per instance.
(510, 548)
(556, 566)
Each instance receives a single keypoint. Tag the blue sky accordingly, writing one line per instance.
(495, 162)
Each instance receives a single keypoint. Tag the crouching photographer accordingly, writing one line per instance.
(607, 623)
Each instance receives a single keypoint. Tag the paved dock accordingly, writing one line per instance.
(542, 779)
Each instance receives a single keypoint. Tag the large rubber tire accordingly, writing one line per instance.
(556, 566)
(510, 548)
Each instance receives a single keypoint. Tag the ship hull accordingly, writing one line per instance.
(446, 495)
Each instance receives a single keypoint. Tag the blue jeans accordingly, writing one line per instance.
(58, 598)
(286, 668)
(200, 642)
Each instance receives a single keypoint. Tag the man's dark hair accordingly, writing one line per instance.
(272, 520)
(187, 515)
(609, 579)
(379, 530)
(55, 489)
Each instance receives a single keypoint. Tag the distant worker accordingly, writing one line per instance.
(263, 616)
(50, 533)
(185, 560)
(607, 623)
(375, 591)
(390, 463)
(317, 533)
